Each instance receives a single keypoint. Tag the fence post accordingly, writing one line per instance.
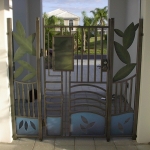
(11, 78)
(38, 65)
(109, 77)
(138, 77)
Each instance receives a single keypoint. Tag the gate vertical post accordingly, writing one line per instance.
(38, 75)
(11, 78)
(138, 76)
(109, 77)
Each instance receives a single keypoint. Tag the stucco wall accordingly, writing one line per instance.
(5, 109)
(143, 130)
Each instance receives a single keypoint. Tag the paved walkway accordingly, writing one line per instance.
(74, 144)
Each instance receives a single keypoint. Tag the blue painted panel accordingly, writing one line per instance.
(27, 126)
(87, 124)
(122, 124)
(53, 125)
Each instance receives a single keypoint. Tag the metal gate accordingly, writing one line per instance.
(81, 97)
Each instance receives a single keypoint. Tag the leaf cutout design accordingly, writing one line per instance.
(118, 32)
(128, 36)
(18, 72)
(27, 66)
(90, 125)
(31, 38)
(83, 128)
(20, 29)
(127, 120)
(21, 124)
(84, 120)
(28, 77)
(26, 125)
(19, 53)
(24, 43)
(122, 53)
(136, 26)
(124, 72)
(120, 127)
(32, 125)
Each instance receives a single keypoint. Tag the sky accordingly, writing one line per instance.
(74, 6)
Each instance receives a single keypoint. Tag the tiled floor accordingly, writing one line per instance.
(74, 144)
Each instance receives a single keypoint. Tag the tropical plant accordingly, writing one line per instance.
(51, 21)
(127, 39)
(87, 21)
(25, 47)
(100, 16)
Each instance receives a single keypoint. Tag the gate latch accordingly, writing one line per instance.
(104, 65)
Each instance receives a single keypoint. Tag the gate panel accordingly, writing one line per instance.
(75, 101)
(125, 87)
(25, 82)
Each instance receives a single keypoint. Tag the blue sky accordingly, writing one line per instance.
(74, 6)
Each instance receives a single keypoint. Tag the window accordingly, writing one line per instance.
(71, 23)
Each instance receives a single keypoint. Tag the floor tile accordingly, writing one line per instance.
(64, 147)
(122, 142)
(143, 147)
(105, 147)
(64, 141)
(26, 140)
(46, 140)
(8, 147)
(84, 141)
(43, 146)
(24, 147)
(100, 141)
(126, 147)
(88, 147)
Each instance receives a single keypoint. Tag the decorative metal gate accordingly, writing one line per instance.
(81, 97)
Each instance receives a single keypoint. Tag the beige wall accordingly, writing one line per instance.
(143, 130)
(5, 107)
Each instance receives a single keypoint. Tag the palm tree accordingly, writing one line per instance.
(100, 16)
(51, 21)
(87, 21)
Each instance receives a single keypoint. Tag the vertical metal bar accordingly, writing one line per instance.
(126, 86)
(28, 97)
(109, 77)
(69, 99)
(115, 102)
(82, 49)
(130, 96)
(62, 101)
(77, 58)
(95, 47)
(23, 100)
(18, 97)
(138, 77)
(44, 55)
(102, 31)
(120, 98)
(48, 56)
(11, 79)
(88, 62)
(38, 76)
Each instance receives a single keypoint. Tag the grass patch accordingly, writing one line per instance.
(92, 45)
